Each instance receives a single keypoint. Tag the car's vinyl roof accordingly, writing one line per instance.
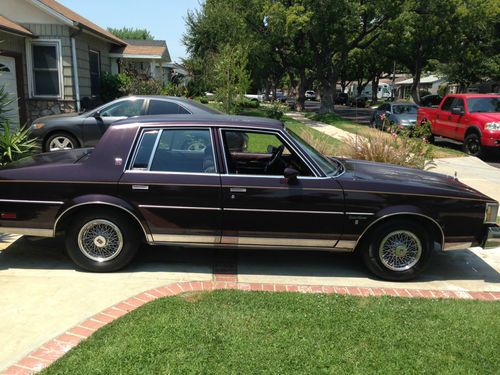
(220, 120)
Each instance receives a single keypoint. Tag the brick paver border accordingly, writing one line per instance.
(57, 347)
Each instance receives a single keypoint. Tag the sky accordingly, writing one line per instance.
(163, 18)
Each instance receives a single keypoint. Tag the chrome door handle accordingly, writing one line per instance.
(238, 190)
(140, 187)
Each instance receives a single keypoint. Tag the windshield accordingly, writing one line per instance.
(329, 166)
(400, 109)
(491, 104)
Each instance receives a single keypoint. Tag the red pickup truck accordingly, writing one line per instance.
(473, 119)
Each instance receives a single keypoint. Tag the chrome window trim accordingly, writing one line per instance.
(402, 213)
(142, 171)
(135, 148)
(277, 177)
(148, 237)
(284, 211)
(181, 207)
(361, 213)
(277, 132)
(30, 201)
(131, 158)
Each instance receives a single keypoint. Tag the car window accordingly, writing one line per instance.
(385, 107)
(404, 109)
(458, 103)
(184, 150)
(164, 107)
(491, 105)
(259, 153)
(124, 108)
(447, 104)
(144, 150)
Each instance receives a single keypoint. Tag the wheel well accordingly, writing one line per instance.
(471, 130)
(429, 224)
(63, 222)
(50, 134)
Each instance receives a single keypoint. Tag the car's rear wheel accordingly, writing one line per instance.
(397, 250)
(60, 141)
(102, 240)
(472, 145)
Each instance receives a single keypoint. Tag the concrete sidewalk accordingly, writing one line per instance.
(469, 170)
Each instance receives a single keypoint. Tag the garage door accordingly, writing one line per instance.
(8, 81)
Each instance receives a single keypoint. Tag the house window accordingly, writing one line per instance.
(95, 72)
(46, 69)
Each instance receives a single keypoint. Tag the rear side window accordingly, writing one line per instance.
(163, 107)
(447, 104)
(146, 145)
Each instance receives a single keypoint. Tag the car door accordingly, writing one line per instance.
(262, 208)
(459, 122)
(444, 127)
(172, 180)
(98, 122)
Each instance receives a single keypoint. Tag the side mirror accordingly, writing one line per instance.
(291, 175)
(457, 111)
(97, 114)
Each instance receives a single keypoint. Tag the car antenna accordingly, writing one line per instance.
(456, 175)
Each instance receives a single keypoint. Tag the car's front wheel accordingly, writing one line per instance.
(472, 145)
(397, 250)
(60, 141)
(102, 240)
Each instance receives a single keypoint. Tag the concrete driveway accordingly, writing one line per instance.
(42, 294)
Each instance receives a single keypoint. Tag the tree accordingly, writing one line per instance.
(131, 33)
(230, 75)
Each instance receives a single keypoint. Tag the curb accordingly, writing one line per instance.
(54, 349)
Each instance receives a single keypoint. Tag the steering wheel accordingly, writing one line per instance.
(274, 159)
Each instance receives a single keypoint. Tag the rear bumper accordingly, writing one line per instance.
(492, 238)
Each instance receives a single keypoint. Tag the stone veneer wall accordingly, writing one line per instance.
(39, 108)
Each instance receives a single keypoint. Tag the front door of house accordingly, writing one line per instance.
(9, 85)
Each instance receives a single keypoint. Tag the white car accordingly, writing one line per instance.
(310, 95)
(257, 97)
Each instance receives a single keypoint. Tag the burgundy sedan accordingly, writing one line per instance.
(237, 182)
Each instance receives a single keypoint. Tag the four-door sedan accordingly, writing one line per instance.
(400, 114)
(68, 131)
(237, 182)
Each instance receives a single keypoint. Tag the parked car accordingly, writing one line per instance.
(281, 97)
(67, 131)
(310, 95)
(473, 119)
(342, 98)
(256, 97)
(400, 114)
(359, 102)
(430, 100)
(204, 181)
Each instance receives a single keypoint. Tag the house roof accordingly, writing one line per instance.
(428, 79)
(77, 19)
(143, 49)
(12, 27)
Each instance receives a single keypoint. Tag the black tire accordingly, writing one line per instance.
(472, 145)
(63, 139)
(91, 231)
(412, 261)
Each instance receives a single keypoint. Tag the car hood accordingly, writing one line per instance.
(56, 157)
(486, 116)
(57, 118)
(393, 178)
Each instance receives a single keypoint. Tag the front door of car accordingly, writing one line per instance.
(98, 122)
(262, 208)
(172, 180)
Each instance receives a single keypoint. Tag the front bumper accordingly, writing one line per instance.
(492, 239)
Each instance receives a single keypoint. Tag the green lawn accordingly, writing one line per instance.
(363, 130)
(231, 332)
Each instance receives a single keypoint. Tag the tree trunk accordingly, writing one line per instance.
(375, 82)
(415, 87)
(300, 96)
(328, 92)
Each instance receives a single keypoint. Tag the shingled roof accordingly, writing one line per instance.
(12, 27)
(79, 20)
(135, 48)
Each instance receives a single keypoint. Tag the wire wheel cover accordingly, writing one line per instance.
(100, 240)
(400, 250)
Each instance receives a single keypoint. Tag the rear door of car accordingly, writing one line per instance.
(172, 179)
(264, 209)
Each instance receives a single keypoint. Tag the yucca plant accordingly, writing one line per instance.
(14, 144)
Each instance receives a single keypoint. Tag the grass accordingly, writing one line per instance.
(231, 332)
(362, 130)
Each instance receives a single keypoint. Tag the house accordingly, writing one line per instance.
(429, 83)
(51, 58)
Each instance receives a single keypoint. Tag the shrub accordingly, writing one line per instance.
(14, 144)
(114, 86)
(321, 144)
(276, 111)
(389, 148)
(246, 103)
(421, 131)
